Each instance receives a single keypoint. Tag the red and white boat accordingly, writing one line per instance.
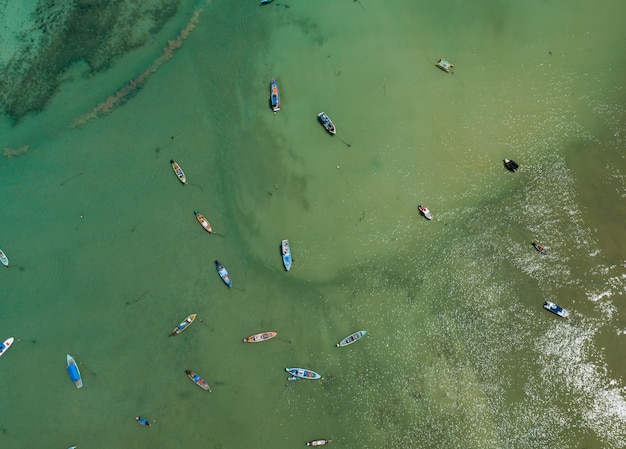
(425, 212)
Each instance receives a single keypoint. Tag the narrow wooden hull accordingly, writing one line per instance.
(203, 221)
(303, 373)
(257, 338)
(327, 123)
(184, 324)
(223, 274)
(180, 174)
(4, 259)
(6, 344)
(199, 381)
(73, 371)
(352, 338)
(286, 253)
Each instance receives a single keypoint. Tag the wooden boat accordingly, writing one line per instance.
(6, 344)
(143, 421)
(327, 123)
(199, 381)
(223, 273)
(303, 373)
(444, 65)
(425, 212)
(510, 165)
(179, 171)
(4, 259)
(558, 310)
(319, 442)
(352, 338)
(540, 248)
(274, 94)
(263, 336)
(203, 221)
(72, 370)
(285, 250)
(184, 324)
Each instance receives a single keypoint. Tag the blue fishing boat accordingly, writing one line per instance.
(303, 373)
(285, 249)
(143, 421)
(223, 273)
(72, 370)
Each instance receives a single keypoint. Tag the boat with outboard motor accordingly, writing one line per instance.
(223, 273)
(327, 123)
(199, 381)
(263, 336)
(557, 310)
(203, 221)
(179, 171)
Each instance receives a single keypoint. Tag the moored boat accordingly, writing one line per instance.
(425, 212)
(274, 94)
(510, 165)
(179, 171)
(199, 381)
(6, 344)
(303, 373)
(184, 324)
(263, 336)
(223, 273)
(444, 65)
(558, 310)
(72, 370)
(327, 123)
(203, 221)
(352, 338)
(540, 248)
(4, 259)
(285, 249)
(143, 421)
(319, 442)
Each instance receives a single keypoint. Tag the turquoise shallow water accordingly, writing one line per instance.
(107, 256)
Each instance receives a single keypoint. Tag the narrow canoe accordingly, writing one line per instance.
(327, 123)
(303, 373)
(285, 250)
(319, 442)
(72, 370)
(184, 324)
(223, 273)
(4, 259)
(263, 336)
(6, 344)
(179, 171)
(199, 381)
(351, 338)
(203, 221)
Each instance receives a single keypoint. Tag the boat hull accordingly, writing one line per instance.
(352, 338)
(425, 212)
(143, 421)
(6, 344)
(223, 274)
(319, 442)
(274, 95)
(303, 373)
(180, 174)
(203, 221)
(540, 248)
(184, 324)
(4, 259)
(510, 165)
(257, 338)
(557, 310)
(199, 381)
(74, 372)
(285, 250)
(327, 123)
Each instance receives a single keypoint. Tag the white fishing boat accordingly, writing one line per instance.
(6, 344)
(4, 259)
(558, 310)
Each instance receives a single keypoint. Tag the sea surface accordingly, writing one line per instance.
(107, 256)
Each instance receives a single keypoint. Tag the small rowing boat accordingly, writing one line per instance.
(72, 370)
(327, 123)
(274, 96)
(179, 171)
(199, 381)
(303, 373)
(540, 248)
(558, 310)
(223, 273)
(4, 259)
(263, 336)
(351, 338)
(444, 65)
(6, 344)
(425, 212)
(285, 249)
(143, 421)
(510, 165)
(203, 221)
(319, 442)
(184, 324)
